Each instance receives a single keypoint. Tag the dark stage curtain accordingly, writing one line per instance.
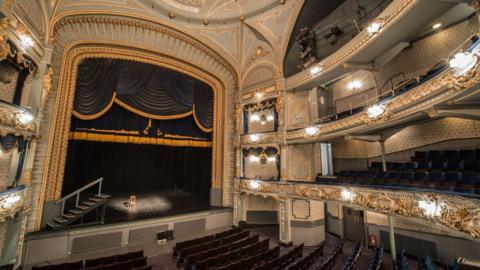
(129, 167)
(147, 90)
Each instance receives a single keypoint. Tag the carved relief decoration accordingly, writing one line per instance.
(47, 88)
(10, 204)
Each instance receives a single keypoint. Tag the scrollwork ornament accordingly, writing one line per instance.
(47, 88)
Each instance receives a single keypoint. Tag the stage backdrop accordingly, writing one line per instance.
(140, 127)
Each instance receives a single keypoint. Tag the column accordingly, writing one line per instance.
(238, 208)
(384, 162)
(284, 222)
(391, 231)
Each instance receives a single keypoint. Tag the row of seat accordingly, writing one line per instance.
(205, 257)
(352, 260)
(196, 241)
(132, 260)
(281, 262)
(429, 166)
(307, 261)
(328, 261)
(462, 154)
(376, 260)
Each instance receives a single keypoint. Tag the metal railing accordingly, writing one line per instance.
(77, 192)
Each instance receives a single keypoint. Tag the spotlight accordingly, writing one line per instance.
(375, 111)
(463, 62)
(254, 184)
(315, 70)
(25, 118)
(374, 28)
(356, 84)
(254, 138)
(311, 131)
(436, 26)
(26, 41)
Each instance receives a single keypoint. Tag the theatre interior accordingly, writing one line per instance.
(239, 134)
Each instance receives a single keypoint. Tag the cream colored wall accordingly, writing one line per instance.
(299, 163)
(259, 203)
(297, 116)
(256, 170)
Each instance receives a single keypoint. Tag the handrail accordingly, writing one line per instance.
(469, 262)
(78, 191)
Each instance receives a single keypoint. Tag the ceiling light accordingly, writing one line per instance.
(436, 26)
(356, 84)
(254, 184)
(254, 138)
(374, 28)
(311, 131)
(25, 118)
(259, 94)
(463, 62)
(270, 118)
(253, 158)
(375, 110)
(347, 194)
(254, 117)
(26, 41)
(315, 70)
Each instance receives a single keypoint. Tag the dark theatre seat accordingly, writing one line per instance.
(442, 170)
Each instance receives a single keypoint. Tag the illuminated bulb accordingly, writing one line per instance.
(310, 131)
(436, 26)
(25, 118)
(347, 195)
(462, 62)
(10, 201)
(253, 158)
(26, 41)
(254, 137)
(354, 84)
(255, 117)
(374, 28)
(259, 94)
(272, 159)
(376, 110)
(270, 118)
(254, 184)
(315, 70)
(431, 209)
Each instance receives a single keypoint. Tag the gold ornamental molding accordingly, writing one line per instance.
(11, 202)
(10, 116)
(334, 60)
(73, 55)
(457, 213)
(139, 22)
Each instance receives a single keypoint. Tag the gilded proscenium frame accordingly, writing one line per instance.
(63, 107)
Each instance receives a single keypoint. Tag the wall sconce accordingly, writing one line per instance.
(347, 195)
(463, 62)
(431, 209)
(374, 28)
(259, 95)
(254, 138)
(254, 184)
(375, 110)
(26, 41)
(356, 84)
(436, 26)
(315, 70)
(272, 159)
(254, 117)
(263, 120)
(270, 118)
(25, 118)
(253, 158)
(311, 131)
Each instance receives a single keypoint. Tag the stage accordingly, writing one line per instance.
(152, 204)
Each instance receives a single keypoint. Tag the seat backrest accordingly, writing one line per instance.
(436, 176)
(471, 177)
(421, 176)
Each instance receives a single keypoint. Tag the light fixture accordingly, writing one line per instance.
(375, 110)
(254, 184)
(26, 41)
(315, 70)
(254, 138)
(463, 62)
(431, 208)
(263, 120)
(270, 118)
(347, 195)
(258, 95)
(254, 117)
(272, 159)
(24, 118)
(374, 28)
(253, 158)
(355, 84)
(311, 131)
(436, 26)
(10, 201)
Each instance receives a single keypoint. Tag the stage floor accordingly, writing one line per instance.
(152, 204)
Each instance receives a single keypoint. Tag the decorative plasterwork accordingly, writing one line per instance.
(264, 138)
(9, 117)
(394, 11)
(11, 202)
(457, 213)
(444, 86)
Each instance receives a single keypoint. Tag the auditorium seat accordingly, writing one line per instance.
(438, 166)
(423, 166)
(455, 166)
(467, 154)
(410, 166)
(473, 166)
